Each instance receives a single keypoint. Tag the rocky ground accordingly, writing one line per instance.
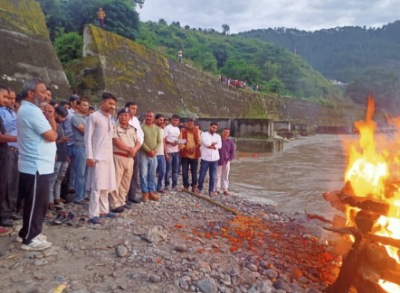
(180, 244)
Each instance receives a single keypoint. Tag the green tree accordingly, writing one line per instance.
(225, 29)
(68, 47)
(276, 86)
(220, 52)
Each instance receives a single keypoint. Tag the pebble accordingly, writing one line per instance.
(121, 251)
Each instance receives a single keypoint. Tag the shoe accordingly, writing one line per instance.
(118, 210)
(36, 244)
(185, 189)
(51, 206)
(145, 196)
(5, 231)
(6, 222)
(128, 207)
(162, 191)
(69, 221)
(40, 236)
(95, 220)
(16, 216)
(81, 202)
(153, 196)
(211, 194)
(226, 192)
(61, 217)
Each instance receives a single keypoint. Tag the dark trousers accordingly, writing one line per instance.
(8, 206)
(4, 169)
(131, 196)
(34, 190)
(193, 163)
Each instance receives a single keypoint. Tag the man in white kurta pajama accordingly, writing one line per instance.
(99, 158)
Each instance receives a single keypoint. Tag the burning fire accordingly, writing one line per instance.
(372, 170)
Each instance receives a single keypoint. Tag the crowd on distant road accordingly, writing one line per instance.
(101, 158)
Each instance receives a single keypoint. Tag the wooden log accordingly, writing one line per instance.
(383, 240)
(317, 217)
(365, 221)
(213, 202)
(349, 267)
(365, 203)
(338, 221)
(331, 195)
(392, 276)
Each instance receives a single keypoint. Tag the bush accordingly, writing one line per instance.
(68, 47)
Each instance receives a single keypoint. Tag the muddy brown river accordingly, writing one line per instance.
(295, 178)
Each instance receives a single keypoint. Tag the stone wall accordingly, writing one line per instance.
(25, 48)
(133, 72)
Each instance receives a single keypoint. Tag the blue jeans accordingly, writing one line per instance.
(147, 171)
(161, 165)
(212, 167)
(173, 167)
(80, 173)
(71, 179)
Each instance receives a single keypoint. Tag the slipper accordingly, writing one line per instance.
(95, 220)
(110, 215)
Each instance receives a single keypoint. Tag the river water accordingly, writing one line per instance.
(295, 178)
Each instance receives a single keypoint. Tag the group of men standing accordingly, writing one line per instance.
(108, 160)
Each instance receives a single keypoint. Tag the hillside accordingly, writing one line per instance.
(25, 48)
(342, 53)
(134, 72)
(272, 68)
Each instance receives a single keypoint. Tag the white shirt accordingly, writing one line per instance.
(172, 135)
(139, 132)
(207, 139)
(160, 150)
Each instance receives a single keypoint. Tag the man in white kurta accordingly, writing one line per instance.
(99, 158)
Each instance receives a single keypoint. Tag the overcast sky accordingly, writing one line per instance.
(244, 15)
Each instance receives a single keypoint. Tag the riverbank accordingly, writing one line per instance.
(179, 244)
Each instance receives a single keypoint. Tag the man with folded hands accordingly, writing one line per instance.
(125, 146)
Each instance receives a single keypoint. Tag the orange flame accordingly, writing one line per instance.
(373, 166)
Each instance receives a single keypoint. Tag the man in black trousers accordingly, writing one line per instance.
(37, 152)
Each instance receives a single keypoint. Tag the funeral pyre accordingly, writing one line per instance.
(370, 199)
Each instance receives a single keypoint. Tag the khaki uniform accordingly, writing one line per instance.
(123, 162)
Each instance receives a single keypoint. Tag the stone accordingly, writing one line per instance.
(121, 251)
(180, 248)
(272, 274)
(207, 285)
(155, 279)
(155, 234)
(40, 262)
(252, 267)
(281, 284)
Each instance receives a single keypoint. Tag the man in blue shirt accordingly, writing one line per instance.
(8, 211)
(36, 145)
(4, 153)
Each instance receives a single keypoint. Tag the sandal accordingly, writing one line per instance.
(95, 220)
(110, 215)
